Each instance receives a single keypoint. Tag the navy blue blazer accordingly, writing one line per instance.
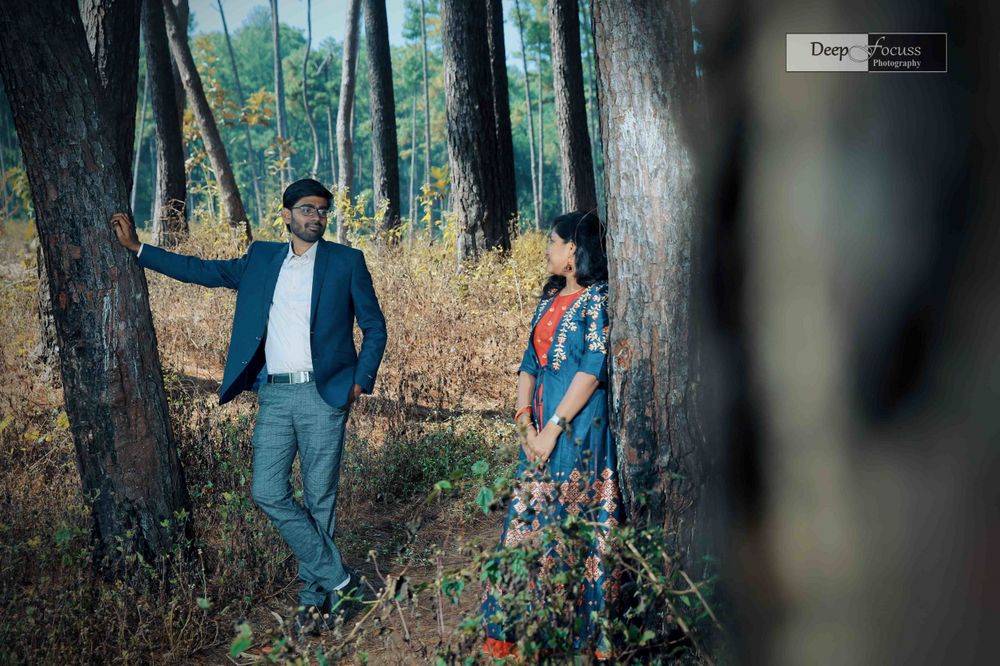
(342, 291)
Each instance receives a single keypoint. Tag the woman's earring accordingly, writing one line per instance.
(568, 268)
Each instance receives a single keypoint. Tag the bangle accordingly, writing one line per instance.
(525, 409)
(558, 421)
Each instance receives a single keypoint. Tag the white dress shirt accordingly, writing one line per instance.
(288, 347)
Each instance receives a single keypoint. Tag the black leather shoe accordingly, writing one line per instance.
(308, 621)
(342, 605)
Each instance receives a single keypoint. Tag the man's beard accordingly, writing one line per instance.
(309, 233)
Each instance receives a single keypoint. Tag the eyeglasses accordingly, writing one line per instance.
(309, 210)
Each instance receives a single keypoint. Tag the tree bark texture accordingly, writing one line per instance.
(112, 27)
(345, 112)
(232, 205)
(472, 138)
(382, 106)
(651, 218)
(110, 367)
(169, 219)
(501, 111)
(575, 159)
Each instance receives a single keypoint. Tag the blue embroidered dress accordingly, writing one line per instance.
(579, 479)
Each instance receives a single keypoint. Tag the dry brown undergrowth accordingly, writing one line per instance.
(443, 400)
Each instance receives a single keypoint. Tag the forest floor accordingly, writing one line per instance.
(442, 403)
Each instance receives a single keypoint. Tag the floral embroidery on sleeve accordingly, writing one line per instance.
(597, 331)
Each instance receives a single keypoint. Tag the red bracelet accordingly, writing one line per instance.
(517, 415)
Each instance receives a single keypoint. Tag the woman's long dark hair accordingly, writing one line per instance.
(591, 258)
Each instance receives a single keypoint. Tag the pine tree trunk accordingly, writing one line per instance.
(345, 113)
(593, 122)
(251, 155)
(413, 171)
(576, 163)
(280, 114)
(137, 154)
(314, 171)
(111, 372)
(232, 205)
(112, 27)
(501, 110)
(472, 137)
(169, 219)
(541, 138)
(183, 19)
(331, 135)
(651, 217)
(382, 105)
(427, 114)
(529, 112)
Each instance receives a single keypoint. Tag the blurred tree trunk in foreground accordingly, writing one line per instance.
(852, 316)
(111, 371)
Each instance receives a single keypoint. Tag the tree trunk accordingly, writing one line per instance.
(305, 93)
(232, 205)
(169, 219)
(137, 152)
(112, 27)
(183, 17)
(280, 113)
(531, 126)
(541, 138)
(860, 294)
(382, 105)
(593, 122)
(331, 133)
(111, 372)
(345, 113)
(651, 216)
(412, 202)
(427, 115)
(472, 137)
(501, 110)
(251, 155)
(576, 163)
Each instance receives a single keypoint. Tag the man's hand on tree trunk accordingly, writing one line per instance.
(125, 231)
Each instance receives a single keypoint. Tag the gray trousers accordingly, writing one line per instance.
(293, 418)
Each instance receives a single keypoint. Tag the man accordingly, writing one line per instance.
(295, 309)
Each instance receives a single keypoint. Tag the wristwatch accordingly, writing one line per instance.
(557, 420)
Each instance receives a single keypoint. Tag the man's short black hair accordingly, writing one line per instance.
(307, 187)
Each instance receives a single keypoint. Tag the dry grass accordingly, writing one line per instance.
(443, 400)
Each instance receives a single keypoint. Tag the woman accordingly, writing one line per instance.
(567, 464)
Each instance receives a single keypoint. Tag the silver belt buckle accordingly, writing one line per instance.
(299, 377)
